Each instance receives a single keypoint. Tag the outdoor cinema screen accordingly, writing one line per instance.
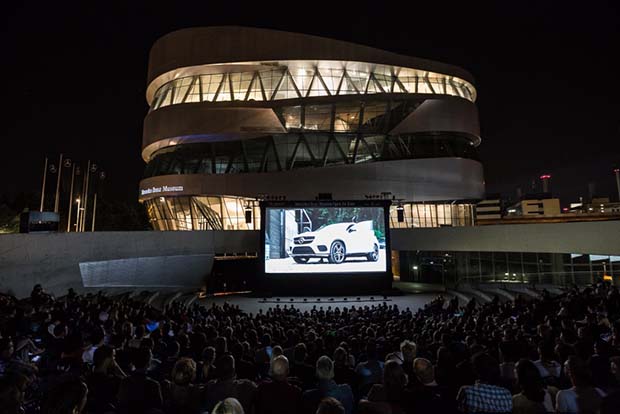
(322, 238)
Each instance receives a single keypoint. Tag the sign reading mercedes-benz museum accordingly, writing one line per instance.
(162, 189)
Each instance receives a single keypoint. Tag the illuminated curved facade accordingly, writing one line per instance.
(240, 113)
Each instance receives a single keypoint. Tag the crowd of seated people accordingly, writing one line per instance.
(98, 354)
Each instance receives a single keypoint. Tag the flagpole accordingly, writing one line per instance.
(43, 186)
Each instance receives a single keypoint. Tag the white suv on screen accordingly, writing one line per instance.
(336, 242)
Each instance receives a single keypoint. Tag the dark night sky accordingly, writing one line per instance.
(548, 78)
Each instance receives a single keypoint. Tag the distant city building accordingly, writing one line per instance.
(543, 208)
(598, 205)
(535, 205)
(489, 208)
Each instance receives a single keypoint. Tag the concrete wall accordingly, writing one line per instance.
(184, 259)
(113, 259)
(600, 237)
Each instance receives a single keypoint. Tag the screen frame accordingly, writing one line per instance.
(326, 283)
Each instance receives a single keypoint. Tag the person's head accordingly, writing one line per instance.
(60, 330)
(424, 370)
(68, 397)
(237, 350)
(602, 347)
(184, 371)
(330, 405)
(142, 358)
(486, 368)
(221, 345)
(394, 376)
(324, 368)
(546, 351)
(277, 351)
(226, 367)
(7, 348)
(228, 406)
(173, 349)
(578, 371)
(280, 368)
(340, 356)
(208, 355)
(140, 331)
(529, 380)
(300, 353)
(409, 350)
(103, 358)
(371, 350)
(97, 336)
(147, 343)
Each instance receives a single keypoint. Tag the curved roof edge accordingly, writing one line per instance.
(229, 44)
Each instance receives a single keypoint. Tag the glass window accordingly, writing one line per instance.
(385, 81)
(318, 117)
(210, 85)
(287, 89)
(256, 92)
(303, 78)
(270, 80)
(347, 118)
(358, 79)
(224, 93)
(240, 84)
(317, 88)
(374, 114)
(373, 86)
(194, 91)
(332, 78)
(181, 86)
(292, 117)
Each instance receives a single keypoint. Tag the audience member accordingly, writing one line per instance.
(180, 395)
(534, 397)
(582, 397)
(139, 393)
(484, 396)
(327, 387)
(228, 386)
(278, 396)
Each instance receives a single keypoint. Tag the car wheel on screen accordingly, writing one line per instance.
(374, 255)
(337, 252)
(301, 260)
